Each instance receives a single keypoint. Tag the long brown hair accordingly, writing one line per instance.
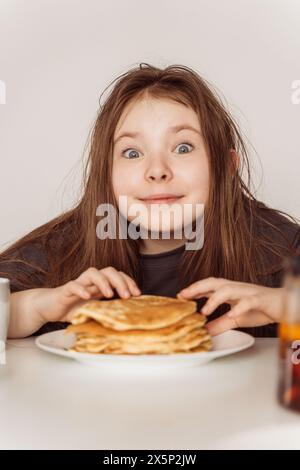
(236, 243)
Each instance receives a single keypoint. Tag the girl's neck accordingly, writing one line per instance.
(152, 247)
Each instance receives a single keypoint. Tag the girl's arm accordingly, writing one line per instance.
(24, 319)
(31, 308)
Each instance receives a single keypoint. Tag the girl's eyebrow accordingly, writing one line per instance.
(173, 129)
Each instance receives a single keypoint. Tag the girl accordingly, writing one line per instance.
(161, 133)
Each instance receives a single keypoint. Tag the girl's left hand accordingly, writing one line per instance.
(251, 304)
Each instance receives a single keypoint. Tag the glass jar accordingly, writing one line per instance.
(289, 338)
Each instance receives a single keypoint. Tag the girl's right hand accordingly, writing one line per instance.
(59, 303)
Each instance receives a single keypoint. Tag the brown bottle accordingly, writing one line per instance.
(289, 339)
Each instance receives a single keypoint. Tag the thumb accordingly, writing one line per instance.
(221, 324)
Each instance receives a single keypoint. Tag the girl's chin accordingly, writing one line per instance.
(168, 201)
(158, 230)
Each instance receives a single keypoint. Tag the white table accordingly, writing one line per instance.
(52, 402)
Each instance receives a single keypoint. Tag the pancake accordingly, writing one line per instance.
(92, 328)
(197, 341)
(145, 324)
(145, 312)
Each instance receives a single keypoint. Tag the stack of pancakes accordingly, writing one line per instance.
(146, 324)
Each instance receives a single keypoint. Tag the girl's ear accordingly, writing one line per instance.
(236, 158)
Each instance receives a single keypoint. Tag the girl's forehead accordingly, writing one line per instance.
(169, 110)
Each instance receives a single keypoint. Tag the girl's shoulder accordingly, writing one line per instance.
(276, 225)
(28, 261)
(276, 237)
(34, 246)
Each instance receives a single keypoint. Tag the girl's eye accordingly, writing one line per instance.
(135, 154)
(185, 144)
(132, 152)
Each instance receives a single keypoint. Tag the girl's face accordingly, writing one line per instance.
(165, 154)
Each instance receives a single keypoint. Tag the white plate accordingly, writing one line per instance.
(57, 342)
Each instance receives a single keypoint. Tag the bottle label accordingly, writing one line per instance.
(289, 378)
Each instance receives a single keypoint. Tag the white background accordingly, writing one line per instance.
(57, 56)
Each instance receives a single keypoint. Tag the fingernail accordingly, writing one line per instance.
(126, 293)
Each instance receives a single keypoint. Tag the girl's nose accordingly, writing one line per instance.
(163, 177)
(157, 172)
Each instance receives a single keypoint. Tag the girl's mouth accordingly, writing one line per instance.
(167, 200)
(162, 199)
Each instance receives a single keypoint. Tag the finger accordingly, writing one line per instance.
(117, 281)
(248, 313)
(227, 294)
(217, 298)
(95, 292)
(70, 313)
(132, 286)
(221, 324)
(183, 297)
(200, 288)
(107, 279)
(244, 306)
(103, 283)
(94, 277)
(75, 289)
